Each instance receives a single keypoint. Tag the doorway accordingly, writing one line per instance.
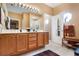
(57, 28)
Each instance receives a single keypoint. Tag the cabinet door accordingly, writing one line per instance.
(46, 37)
(7, 44)
(3, 45)
(22, 42)
(11, 44)
(40, 39)
(32, 45)
(32, 41)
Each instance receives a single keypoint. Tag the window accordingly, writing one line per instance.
(67, 17)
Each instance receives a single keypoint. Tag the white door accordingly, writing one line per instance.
(58, 19)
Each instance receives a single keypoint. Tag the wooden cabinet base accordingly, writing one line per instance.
(19, 43)
(25, 52)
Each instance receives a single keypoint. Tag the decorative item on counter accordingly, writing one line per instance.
(20, 30)
(31, 30)
(28, 29)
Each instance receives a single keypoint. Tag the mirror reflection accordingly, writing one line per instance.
(20, 18)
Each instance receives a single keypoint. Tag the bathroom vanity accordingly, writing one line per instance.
(19, 43)
(21, 31)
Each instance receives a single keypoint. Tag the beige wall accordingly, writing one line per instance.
(74, 9)
(60, 8)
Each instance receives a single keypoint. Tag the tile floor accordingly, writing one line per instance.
(57, 48)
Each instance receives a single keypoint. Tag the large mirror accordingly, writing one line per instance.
(19, 18)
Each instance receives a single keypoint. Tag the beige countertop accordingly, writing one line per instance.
(17, 31)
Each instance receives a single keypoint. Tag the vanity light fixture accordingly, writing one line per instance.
(28, 8)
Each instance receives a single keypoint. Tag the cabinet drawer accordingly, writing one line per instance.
(32, 39)
(40, 39)
(32, 42)
(40, 43)
(32, 45)
(46, 37)
(31, 35)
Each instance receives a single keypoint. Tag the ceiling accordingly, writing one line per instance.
(53, 4)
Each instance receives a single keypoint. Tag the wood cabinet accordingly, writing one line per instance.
(22, 42)
(3, 45)
(7, 44)
(13, 44)
(40, 39)
(32, 41)
(46, 37)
